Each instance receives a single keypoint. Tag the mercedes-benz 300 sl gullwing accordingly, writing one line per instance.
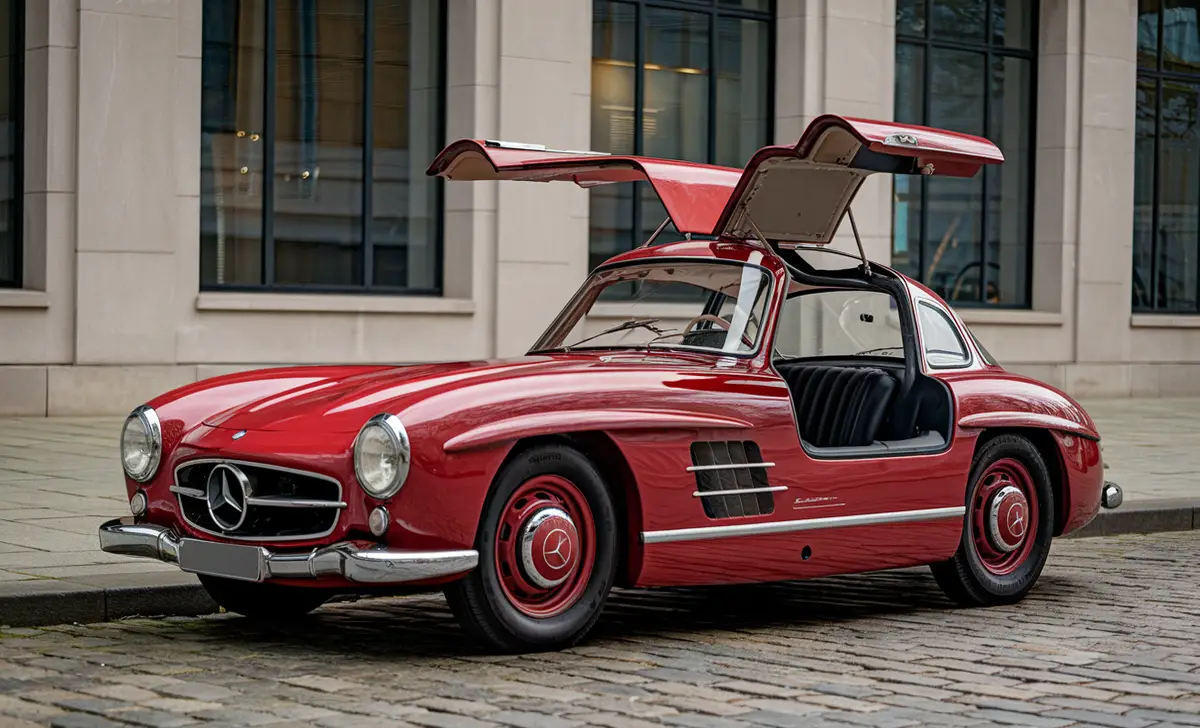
(741, 405)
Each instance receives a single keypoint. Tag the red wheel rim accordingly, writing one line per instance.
(545, 546)
(1004, 516)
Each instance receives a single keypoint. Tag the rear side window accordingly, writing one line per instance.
(944, 347)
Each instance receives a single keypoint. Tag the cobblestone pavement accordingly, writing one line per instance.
(1108, 638)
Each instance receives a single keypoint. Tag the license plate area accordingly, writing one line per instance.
(230, 560)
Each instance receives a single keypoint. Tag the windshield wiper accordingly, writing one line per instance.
(623, 326)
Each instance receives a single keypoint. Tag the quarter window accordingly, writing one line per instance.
(943, 345)
(969, 66)
(682, 79)
(317, 121)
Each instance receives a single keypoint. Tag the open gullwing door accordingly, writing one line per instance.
(694, 195)
(798, 194)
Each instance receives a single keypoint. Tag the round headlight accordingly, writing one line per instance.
(381, 455)
(141, 444)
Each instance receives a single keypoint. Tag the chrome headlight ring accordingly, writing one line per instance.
(148, 439)
(382, 456)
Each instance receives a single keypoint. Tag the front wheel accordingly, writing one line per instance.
(262, 601)
(547, 545)
(1008, 527)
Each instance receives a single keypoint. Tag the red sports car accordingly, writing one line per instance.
(744, 405)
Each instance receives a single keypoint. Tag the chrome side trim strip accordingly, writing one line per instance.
(806, 524)
(729, 466)
(738, 491)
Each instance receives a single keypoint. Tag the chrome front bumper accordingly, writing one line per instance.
(375, 565)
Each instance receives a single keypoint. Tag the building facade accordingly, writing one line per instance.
(192, 187)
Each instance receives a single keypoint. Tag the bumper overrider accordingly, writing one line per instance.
(365, 565)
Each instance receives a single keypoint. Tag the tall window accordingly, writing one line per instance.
(681, 79)
(968, 65)
(12, 50)
(1166, 207)
(318, 121)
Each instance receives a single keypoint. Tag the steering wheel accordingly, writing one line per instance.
(719, 322)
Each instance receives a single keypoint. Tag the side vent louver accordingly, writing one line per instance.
(716, 470)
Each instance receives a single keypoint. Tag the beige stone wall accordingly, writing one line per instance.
(112, 312)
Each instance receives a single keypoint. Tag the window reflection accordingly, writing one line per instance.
(688, 108)
(313, 151)
(968, 239)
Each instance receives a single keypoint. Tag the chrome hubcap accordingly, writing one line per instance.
(1008, 519)
(549, 547)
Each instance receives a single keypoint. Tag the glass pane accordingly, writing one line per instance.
(1012, 22)
(1147, 30)
(319, 143)
(910, 84)
(906, 190)
(404, 113)
(1179, 198)
(942, 343)
(1181, 36)
(959, 19)
(231, 142)
(614, 77)
(676, 85)
(951, 259)
(1143, 195)
(742, 93)
(759, 5)
(1009, 219)
(10, 155)
(910, 17)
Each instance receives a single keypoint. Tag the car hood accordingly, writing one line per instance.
(342, 402)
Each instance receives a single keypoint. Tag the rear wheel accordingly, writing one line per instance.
(1008, 527)
(547, 545)
(262, 601)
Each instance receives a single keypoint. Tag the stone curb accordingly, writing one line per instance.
(107, 597)
(1152, 516)
(102, 598)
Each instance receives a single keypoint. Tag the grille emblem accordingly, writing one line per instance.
(226, 490)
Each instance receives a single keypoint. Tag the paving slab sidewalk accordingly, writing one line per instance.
(61, 477)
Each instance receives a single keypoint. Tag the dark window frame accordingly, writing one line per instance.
(16, 83)
(366, 285)
(990, 50)
(1158, 75)
(714, 10)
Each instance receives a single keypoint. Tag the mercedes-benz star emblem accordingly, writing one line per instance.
(556, 549)
(1016, 521)
(226, 490)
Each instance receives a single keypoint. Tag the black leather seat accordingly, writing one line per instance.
(840, 406)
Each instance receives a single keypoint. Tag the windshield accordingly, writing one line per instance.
(709, 306)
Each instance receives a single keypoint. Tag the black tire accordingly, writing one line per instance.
(479, 601)
(964, 578)
(262, 601)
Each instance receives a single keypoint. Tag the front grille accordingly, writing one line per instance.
(726, 457)
(279, 504)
